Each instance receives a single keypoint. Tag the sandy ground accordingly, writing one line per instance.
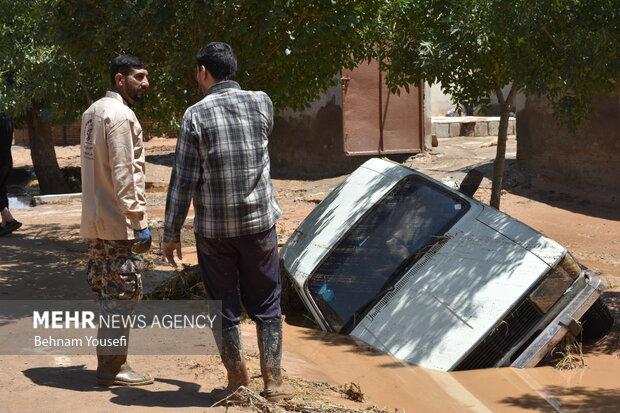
(45, 260)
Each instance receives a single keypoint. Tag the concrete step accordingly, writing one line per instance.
(448, 127)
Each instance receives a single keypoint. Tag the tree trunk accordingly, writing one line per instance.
(499, 165)
(51, 180)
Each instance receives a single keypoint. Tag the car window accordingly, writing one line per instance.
(380, 247)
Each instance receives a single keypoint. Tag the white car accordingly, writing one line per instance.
(425, 273)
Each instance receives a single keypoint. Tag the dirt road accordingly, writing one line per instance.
(45, 260)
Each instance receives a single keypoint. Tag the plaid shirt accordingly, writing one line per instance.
(222, 164)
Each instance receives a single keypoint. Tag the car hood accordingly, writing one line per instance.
(452, 297)
(544, 248)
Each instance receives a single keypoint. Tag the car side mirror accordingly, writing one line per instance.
(471, 182)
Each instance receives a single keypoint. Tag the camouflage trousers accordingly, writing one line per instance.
(114, 271)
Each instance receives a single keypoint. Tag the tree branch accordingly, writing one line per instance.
(89, 99)
(498, 88)
(514, 88)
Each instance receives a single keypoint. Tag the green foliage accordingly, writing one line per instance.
(292, 49)
(566, 50)
(57, 51)
(38, 71)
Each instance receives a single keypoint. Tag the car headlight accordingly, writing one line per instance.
(571, 266)
(555, 283)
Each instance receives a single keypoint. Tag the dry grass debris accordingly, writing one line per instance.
(568, 354)
(352, 391)
(186, 284)
(249, 398)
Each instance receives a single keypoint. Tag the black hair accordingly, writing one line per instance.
(219, 59)
(123, 64)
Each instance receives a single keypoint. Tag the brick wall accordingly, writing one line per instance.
(69, 134)
(587, 161)
(63, 135)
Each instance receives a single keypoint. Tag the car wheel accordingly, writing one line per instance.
(596, 322)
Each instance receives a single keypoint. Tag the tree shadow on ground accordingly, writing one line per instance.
(162, 159)
(41, 261)
(44, 262)
(519, 181)
(579, 398)
(78, 378)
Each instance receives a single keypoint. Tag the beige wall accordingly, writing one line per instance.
(441, 102)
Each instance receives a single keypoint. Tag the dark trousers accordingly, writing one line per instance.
(242, 272)
(6, 165)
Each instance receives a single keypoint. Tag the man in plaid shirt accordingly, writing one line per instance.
(222, 164)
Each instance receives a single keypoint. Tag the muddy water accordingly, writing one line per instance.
(19, 202)
(594, 388)
(389, 383)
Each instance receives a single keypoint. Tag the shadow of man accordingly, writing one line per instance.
(78, 378)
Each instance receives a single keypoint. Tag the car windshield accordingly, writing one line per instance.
(379, 248)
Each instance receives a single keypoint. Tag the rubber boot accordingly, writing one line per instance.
(269, 334)
(112, 366)
(231, 352)
(113, 370)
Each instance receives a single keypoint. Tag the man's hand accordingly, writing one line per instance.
(142, 241)
(168, 248)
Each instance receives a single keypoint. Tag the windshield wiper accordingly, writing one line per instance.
(361, 311)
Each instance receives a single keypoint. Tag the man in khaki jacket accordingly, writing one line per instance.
(114, 220)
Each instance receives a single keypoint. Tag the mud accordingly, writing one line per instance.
(593, 388)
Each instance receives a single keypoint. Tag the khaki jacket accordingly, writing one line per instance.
(113, 166)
